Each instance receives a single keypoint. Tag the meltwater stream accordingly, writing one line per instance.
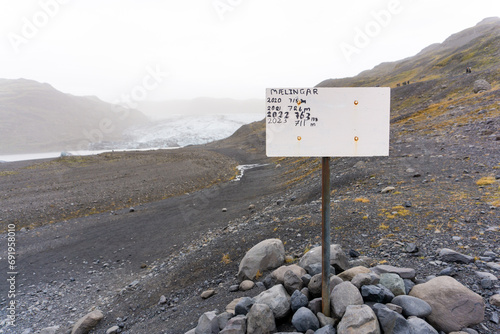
(243, 168)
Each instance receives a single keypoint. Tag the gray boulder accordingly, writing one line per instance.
(236, 325)
(408, 285)
(277, 299)
(365, 279)
(314, 285)
(387, 189)
(306, 279)
(260, 320)
(243, 306)
(493, 265)
(207, 294)
(495, 300)
(112, 330)
(342, 296)
(402, 272)
(267, 254)
(349, 274)
(449, 255)
(468, 331)
(391, 321)
(338, 259)
(316, 305)
(305, 292)
(394, 307)
(376, 293)
(481, 85)
(359, 319)
(420, 326)
(453, 305)
(304, 319)
(314, 268)
(86, 323)
(223, 319)
(298, 300)
(292, 282)
(334, 281)
(232, 305)
(328, 329)
(487, 275)
(208, 324)
(279, 274)
(413, 306)
(394, 283)
(246, 285)
(324, 320)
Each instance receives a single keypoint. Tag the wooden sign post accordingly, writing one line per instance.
(327, 122)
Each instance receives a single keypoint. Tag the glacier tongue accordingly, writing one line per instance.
(189, 130)
(173, 132)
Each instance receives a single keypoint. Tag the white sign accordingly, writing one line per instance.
(327, 122)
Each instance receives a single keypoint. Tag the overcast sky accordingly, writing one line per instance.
(173, 49)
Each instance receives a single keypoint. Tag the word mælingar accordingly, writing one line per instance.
(295, 91)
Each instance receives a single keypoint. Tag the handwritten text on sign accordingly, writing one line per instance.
(327, 122)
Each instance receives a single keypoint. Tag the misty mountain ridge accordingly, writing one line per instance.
(36, 118)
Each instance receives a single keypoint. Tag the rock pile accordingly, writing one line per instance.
(380, 299)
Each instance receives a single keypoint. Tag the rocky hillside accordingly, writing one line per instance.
(477, 47)
(35, 117)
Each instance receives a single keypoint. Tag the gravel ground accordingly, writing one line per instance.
(36, 193)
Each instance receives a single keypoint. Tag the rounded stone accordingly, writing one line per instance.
(495, 300)
(413, 306)
(207, 294)
(246, 285)
(393, 282)
(454, 306)
(298, 300)
(304, 319)
(243, 306)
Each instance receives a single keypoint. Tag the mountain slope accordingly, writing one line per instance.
(35, 117)
(477, 47)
